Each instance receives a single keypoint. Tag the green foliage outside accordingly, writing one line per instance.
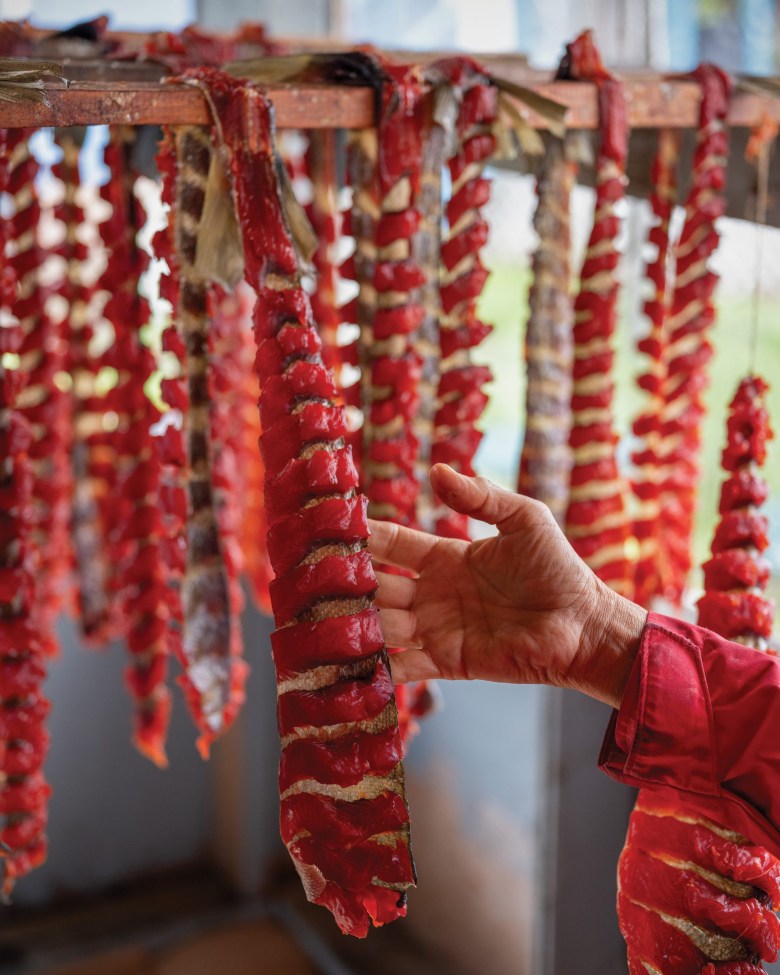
(505, 304)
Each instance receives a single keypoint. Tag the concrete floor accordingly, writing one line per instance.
(250, 947)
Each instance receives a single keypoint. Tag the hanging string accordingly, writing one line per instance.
(759, 150)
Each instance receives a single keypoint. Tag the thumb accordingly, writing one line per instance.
(481, 499)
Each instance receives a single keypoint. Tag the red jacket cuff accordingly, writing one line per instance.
(663, 732)
(699, 717)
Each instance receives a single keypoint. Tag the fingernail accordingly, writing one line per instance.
(444, 470)
(447, 481)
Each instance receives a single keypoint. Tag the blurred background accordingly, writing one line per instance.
(516, 833)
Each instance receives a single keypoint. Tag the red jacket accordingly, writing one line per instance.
(701, 718)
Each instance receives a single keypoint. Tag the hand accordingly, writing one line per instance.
(519, 607)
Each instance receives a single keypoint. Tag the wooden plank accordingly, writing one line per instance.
(113, 72)
(653, 99)
(652, 102)
(147, 103)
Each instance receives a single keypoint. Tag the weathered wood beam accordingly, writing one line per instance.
(148, 103)
(652, 102)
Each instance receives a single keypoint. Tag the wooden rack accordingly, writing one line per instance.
(147, 103)
(133, 91)
(653, 101)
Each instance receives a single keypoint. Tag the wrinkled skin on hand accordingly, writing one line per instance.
(518, 607)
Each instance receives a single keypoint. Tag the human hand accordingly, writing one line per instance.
(519, 607)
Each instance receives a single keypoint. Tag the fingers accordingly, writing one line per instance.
(395, 592)
(400, 628)
(410, 665)
(402, 547)
(481, 499)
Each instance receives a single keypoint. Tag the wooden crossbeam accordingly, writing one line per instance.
(652, 102)
(148, 103)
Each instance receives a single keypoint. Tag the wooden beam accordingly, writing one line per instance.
(131, 92)
(148, 103)
(653, 102)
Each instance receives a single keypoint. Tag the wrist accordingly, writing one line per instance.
(608, 646)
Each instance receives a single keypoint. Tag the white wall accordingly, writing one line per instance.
(112, 813)
(285, 18)
(138, 15)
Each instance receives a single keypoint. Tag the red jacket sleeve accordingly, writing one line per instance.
(701, 717)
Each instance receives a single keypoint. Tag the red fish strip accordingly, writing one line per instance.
(460, 399)
(690, 317)
(595, 313)
(24, 792)
(40, 400)
(324, 624)
(134, 516)
(650, 566)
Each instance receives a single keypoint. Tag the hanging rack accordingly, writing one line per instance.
(653, 101)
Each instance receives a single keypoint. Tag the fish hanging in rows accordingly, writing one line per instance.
(90, 557)
(194, 46)
(391, 368)
(325, 218)
(169, 432)
(24, 643)
(597, 522)
(253, 538)
(344, 816)
(211, 643)
(397, 310)
(651, 570)
(734, 603)
(41, 400)
(359, 221)
(230, 318)
(689, 321)
(460, 395)
(545, 457)
(131, 508)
